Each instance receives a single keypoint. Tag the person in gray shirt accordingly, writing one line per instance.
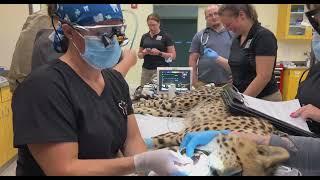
(216, 37)
(43, 51)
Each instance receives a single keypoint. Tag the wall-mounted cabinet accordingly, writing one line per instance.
(290, 17)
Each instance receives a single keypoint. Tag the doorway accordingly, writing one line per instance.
(181, 26)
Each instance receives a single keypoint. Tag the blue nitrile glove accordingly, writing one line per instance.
(194, 139)
(179, 173)
(209, 53)
(149, 143)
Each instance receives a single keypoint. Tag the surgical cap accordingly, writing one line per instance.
(84, 15)
(88, 14)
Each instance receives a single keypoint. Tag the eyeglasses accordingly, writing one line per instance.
(314, 19)
(106, 32)
(212, 14)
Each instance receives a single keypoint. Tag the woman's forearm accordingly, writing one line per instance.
(135, 147)
(224, 63)
(90, 167)
(167, 55)
(264, 69)
(256, 86)
(112, 167)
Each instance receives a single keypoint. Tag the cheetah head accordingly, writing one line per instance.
(231, 155)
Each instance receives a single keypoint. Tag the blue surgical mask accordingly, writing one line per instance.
(97, 55)
(316, 45)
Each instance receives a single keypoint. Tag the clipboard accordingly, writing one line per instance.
(234, 101)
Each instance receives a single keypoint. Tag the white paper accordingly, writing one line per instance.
(151, 126)
(278, 110)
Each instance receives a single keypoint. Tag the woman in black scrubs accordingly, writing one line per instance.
(309, 89)
(156, 48)
(253, 53)
(72, 116)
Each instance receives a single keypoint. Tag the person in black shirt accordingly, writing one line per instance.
(252, 55)
(309, 88)
(72, 118)
(44, 51)
(304, 151)
(156, 48)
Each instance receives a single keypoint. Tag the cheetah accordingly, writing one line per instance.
(229, 155)
(179, 105)
(202, 109)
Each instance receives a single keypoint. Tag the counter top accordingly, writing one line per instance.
(3, 82)
(298, 67)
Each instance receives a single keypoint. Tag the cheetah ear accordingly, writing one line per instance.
(271, 155)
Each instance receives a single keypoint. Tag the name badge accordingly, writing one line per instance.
(248, 43)
(158, 38)
(123, 106)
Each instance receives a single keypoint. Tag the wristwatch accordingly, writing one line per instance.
(160, 54)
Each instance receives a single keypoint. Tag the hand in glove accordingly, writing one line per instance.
(163, 162)
(209, 53)
(194, 139)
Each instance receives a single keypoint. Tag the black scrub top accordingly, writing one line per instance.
(159, 41)
(54, 105)
(309, 89)
(308, 93)
(242, 60)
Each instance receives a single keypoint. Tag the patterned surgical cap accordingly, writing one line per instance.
(84, 15)
(88, 14)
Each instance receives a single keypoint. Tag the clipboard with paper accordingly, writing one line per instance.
(277, 113)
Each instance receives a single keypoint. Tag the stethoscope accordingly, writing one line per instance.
(204, 37)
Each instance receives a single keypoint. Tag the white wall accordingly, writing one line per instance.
(268, 13)
(133, 77)
(12, 18)
(288, 50)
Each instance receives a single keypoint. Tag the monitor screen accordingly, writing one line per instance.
(180, 76)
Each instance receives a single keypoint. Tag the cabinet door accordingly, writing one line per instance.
(296, 16)
(291, 83)
(12, 151)
(2, 138)
(4, 134)
(290, 17)
(5, 94)
(6, 131)
(286, 83)
(294, 82)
